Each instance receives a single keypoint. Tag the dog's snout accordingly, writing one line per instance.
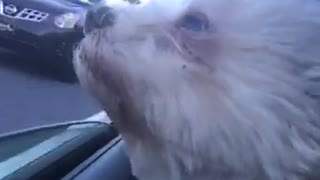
(98, 17)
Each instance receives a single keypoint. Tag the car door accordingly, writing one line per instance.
(75, 150)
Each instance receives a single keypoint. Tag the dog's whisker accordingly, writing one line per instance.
(174, 42)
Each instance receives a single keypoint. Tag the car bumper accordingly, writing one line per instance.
(42, 39)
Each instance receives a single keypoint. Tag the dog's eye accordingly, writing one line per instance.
(195, 22)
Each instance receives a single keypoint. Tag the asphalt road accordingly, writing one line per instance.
(28, 99)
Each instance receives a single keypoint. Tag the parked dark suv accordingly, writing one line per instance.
(46, 29)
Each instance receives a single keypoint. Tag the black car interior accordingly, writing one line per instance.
(110, 163)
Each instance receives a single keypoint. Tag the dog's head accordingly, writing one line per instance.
(176, 60)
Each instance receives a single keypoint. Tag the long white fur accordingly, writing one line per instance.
(246, 115)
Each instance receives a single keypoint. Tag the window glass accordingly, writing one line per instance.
(19, 150)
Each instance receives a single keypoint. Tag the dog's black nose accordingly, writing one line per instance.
(98, 17)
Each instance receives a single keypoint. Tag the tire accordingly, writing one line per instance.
(65, 70)
(66, 73)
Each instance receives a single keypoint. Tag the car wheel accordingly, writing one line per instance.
(66, 70)
(67, 73)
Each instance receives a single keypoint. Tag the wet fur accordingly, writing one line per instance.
(233, 104)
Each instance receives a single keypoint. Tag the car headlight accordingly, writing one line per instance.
(67, 20)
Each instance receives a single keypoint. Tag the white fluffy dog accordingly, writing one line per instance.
(209, 89)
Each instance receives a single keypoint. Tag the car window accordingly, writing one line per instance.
(19, 150)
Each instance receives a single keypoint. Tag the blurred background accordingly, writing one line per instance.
(37, 82)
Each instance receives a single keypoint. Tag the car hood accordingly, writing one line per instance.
(49, 6)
